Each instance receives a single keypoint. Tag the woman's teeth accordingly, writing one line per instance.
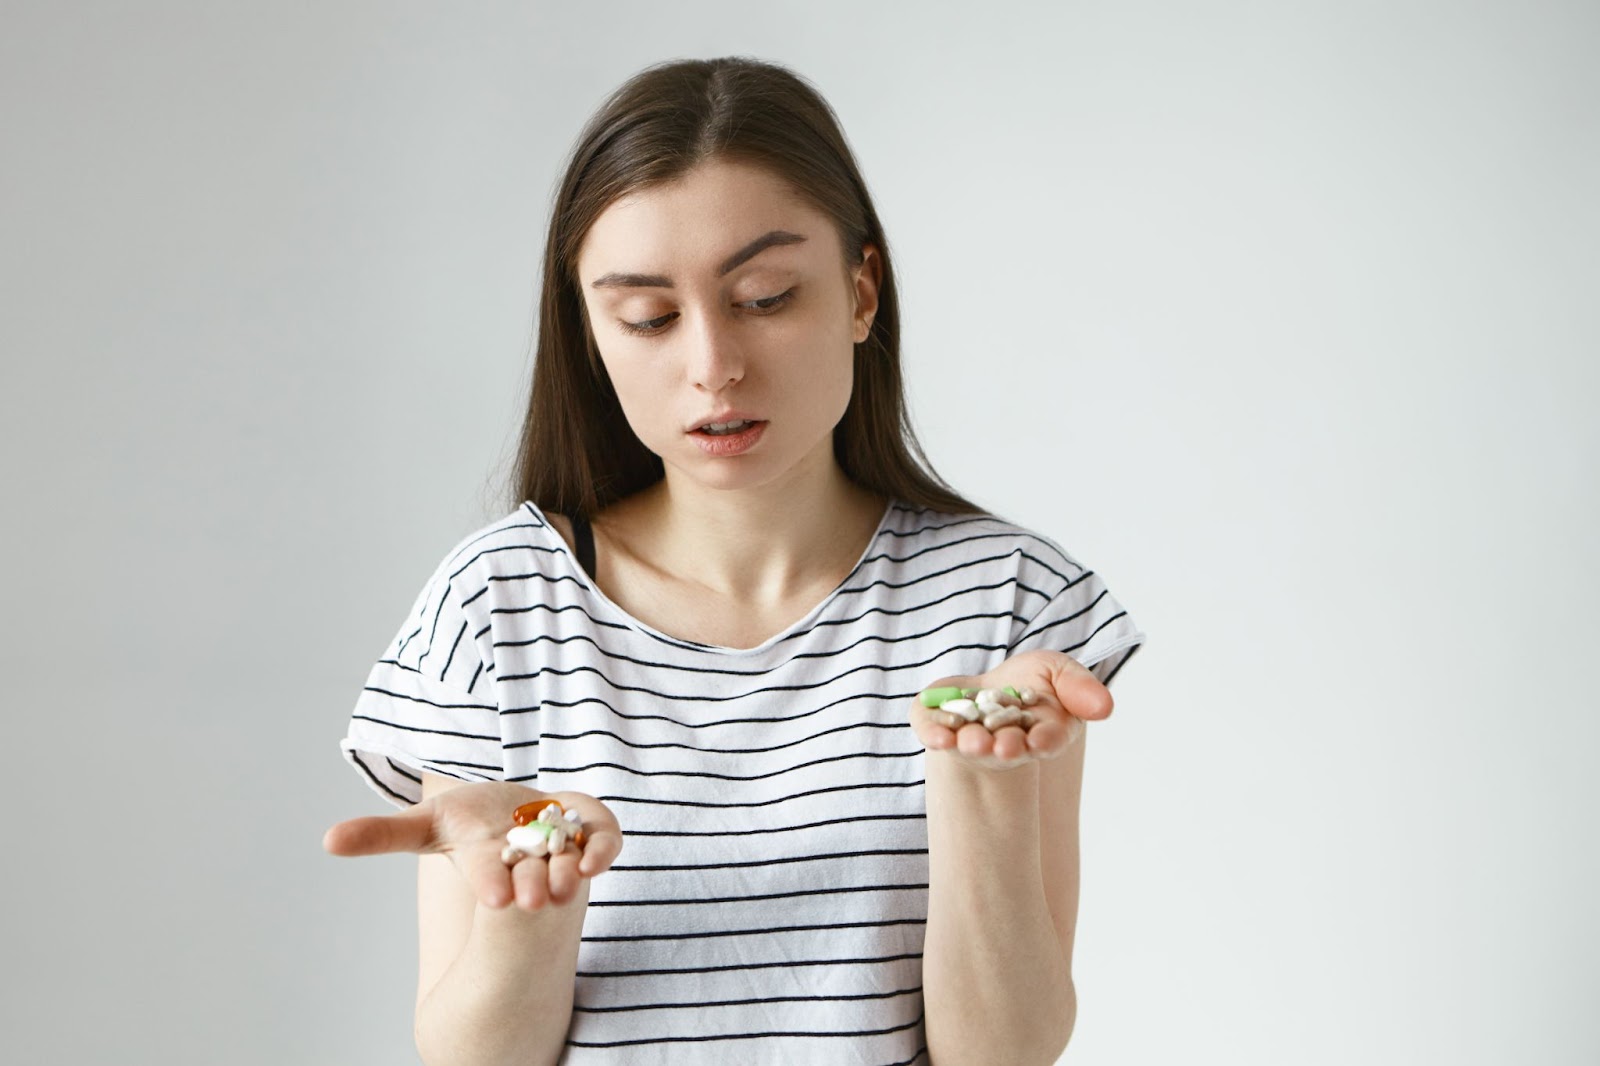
(718, 429)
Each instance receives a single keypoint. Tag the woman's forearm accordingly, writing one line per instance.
(995, 985)
(507, 998)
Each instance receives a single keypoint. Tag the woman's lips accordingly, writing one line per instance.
(729, 444)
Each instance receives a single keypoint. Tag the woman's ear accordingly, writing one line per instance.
(865, 277)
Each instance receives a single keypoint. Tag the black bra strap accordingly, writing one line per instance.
(584, 536)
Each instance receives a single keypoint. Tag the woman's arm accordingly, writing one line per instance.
(1002, 903)
(495, 986)
(1003, 867)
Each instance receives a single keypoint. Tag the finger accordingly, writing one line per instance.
(1052, 738)
(933, 736)
(532, 883)
(408, 830)
(1010, 743)
(599, 851)
(974, 740)
(1047, 739)
(564, 875)
(487, 873)
(1079, 690)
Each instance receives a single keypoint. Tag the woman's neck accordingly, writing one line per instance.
(761, 546)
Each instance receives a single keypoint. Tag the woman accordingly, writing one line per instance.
(703, 631)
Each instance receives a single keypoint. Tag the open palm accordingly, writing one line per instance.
(1068, 695)
(469, 823)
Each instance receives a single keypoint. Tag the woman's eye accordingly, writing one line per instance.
(772, 303)
(654, 325)
(764, 306)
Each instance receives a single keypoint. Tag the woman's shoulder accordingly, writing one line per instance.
(983, 533)
(520, 540)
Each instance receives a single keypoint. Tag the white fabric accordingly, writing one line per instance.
(770, 899)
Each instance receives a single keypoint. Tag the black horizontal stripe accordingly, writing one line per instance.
(946, 544)
(849, 820)
(780, 861)
(780, 965)
(424, 729)
(707, 934)
(485, 767)
(732, 777)
(521, 547)
(718, 751)
(745, 1036)
(931, 575)
(888, 696)
(756, 803)
(431, 703)
(503, 526)
(697, 698)
(922, 530)
(708, 1003)
(921, 1051)
(762, 897)
(530, 576)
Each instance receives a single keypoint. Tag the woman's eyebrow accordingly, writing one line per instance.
(661, 281)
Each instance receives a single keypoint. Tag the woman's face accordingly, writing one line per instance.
(723, 295)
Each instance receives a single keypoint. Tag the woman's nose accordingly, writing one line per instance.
(715, 360)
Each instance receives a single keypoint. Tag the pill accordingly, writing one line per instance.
(1028, 697)
(965, 708)
(530, 811)
(933, 697)
(988, 700)
(1013, 693)
(1002, 718)
(527, 840)
(509, 855)
(948, 719)
(558, 840)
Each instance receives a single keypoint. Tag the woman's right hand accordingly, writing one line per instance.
(469, 823)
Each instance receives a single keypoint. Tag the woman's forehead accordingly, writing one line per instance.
(697, 222)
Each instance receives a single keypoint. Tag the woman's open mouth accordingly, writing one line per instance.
(728, 438)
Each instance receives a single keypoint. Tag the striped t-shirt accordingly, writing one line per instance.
(770, 900)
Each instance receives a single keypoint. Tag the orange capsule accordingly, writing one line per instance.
(529, 812)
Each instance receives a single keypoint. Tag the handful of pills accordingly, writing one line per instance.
(996, 708)
(543, 828)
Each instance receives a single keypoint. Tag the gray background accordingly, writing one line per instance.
(1288, 311)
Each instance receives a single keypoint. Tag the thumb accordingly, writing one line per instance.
(407, 830)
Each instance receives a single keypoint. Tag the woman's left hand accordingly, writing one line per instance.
(1069, 695)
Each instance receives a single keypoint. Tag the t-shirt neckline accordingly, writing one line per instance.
(803, 623)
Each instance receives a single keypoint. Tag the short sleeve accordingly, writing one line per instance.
(1078, 616)
(427, 703)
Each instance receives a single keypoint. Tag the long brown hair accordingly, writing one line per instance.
(577, 452)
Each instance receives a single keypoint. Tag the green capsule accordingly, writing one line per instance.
(933, 697)
(1014, 693)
